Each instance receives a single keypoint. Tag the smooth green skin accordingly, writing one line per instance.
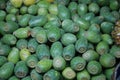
(90, 55)
(94, 7)
(2, 15)
(3, 60)
(63, 12)
(78, 63)
(43, 4)
(31, 61)
(24, 54)
(107, 27)
(107, 38)
(109, 73)
(23, 9)
(22, 33)
(16, 3)
(81, 33)
(26, 78)
(6, 70)
(97, 20)
(88, 16)
(39, 20)
(59, 63)
(52, 75)
(32, 45)
(12, 10)
(102, 48)
(53, 9)
(114, 4)
(35, 30)
(10, 17)
(35, 76)
(68, 52)
(9, 39)
(4, 50)
(8, 27)
(51, 23)
(41, 36)
(116, 14)
(69, 73)
(13, 78)
(99, 77)
(82, 9)
(107, 60)
(85, 2)
(94, 27)
(63, 2)
(94, 67)
(90, 46)
(42, 51)
(56, 49)
(14, 55)
(92, 36)
(53, 33)
(42, 11)
(68, 38)
(52, 17)
(83, 75)
(33, 9)
(104, 10)
(109, 17)
(21, 69)
(115, 51)
(21, 44)
(73, 6)
(69, 26)
(24, 19)
(81, 45)
(44, 65)
(81, 22)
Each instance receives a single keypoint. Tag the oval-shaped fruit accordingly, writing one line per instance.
(22, 32)
(94, 67)
(21, 44)
(9, 39)
(6, 70)
(68, 52)
(43, 51)
(32, 45)
(14, 55)
(28, 2)
(107, 60)
(59, 63)
(68, 38)
(43, 65)
(21, 69)
(81, 45)
(83, 75)
(78, 63)
(24, 54)
(69, 73)
(56, 49)
(16, 3)
(52, 75)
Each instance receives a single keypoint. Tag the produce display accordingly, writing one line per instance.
(59, 39)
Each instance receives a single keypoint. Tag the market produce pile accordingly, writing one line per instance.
(59, 39)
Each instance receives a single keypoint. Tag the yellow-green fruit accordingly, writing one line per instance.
(28, 2)
(16, 3)
(24, 54)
